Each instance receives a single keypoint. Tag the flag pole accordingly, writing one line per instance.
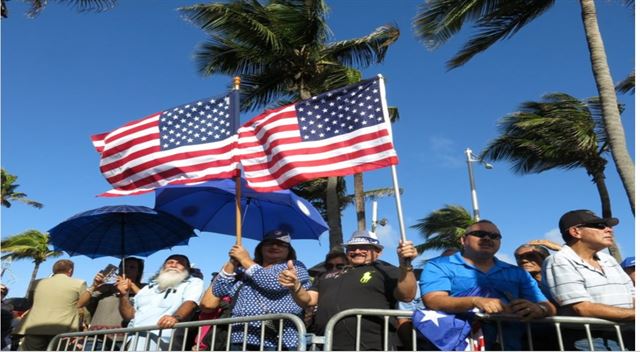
(394, 172)
(235, 110)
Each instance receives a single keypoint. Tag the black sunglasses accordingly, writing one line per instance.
(483, 234)
(597, 225)
(332, 266)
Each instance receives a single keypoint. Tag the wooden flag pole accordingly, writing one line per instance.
(236, 111)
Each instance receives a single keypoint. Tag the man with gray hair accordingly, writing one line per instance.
(170, 297)
(586, 282)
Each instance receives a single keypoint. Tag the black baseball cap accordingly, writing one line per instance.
(583, 217)
(183, 259)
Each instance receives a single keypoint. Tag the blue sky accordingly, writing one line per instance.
(68, 75)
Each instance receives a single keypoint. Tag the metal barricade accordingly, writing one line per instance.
(385, 314)
(151, 338)
(569, 323)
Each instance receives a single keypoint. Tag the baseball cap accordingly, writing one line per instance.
(583, 217)
(280, 235)
(364, 237)
(628, 262)
(183, 259)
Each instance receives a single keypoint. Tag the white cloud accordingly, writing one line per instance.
(554, 235)
(445, 152)
(388, 236)
(506, 258)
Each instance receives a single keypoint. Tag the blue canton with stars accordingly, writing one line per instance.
(202, 121)
(340, 111)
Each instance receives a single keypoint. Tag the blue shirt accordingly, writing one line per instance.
(455, 276)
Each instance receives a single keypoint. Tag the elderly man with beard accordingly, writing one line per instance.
(170, 297)
(475, 278)
(365, 283)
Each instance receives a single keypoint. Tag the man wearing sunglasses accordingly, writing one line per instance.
(475, 279)
(365, 282)
(586, 282)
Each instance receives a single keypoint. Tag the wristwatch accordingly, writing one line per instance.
(407, 268)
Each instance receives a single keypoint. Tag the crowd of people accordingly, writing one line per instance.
(578, 279)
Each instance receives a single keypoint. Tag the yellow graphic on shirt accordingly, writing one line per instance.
(366, 277)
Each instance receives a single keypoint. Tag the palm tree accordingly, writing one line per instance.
(32, 245)
(81, 5)
(558, 132)
(281, 51)
(9, 193)
(443, 227)
(438, 20)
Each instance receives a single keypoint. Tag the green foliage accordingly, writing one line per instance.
(558, 132)
(493, 20)
(9, 193)
(31, 244)
(281, 48)
(443, 227)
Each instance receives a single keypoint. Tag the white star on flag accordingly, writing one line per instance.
(433, 316)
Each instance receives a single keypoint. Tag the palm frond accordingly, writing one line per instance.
(628, 84)
(500, 24)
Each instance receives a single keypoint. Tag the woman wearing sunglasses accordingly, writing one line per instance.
(254, 288)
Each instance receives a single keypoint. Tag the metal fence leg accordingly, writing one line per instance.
(500, 335)
(529, 337)
(358, 327)
(386, 333)
(619, 334)
(589, 338)
(559, 334)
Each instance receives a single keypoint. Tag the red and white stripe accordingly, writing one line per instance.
(133, 162)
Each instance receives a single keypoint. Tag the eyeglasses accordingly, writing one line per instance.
(483, 234)
(598, 225)
(330, 266)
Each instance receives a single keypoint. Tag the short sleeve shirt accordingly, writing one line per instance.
(365, 286)
(150, 303)
(570, 279)
(457, 277)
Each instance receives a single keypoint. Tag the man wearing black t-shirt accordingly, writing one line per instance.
(365, 283)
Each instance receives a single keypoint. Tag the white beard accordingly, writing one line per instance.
(170, 278)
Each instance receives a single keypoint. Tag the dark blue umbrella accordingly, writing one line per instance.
(210, 206)
(119, 231)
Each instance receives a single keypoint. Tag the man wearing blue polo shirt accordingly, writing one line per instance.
(446, 282)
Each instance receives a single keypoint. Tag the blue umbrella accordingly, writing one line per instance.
(210, 206)
(119, 231)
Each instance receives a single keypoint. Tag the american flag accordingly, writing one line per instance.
(341, 132)
(187, 144)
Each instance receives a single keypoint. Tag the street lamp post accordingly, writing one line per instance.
(471, 158)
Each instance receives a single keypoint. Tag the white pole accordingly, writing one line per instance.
(374, 217)
(472, 185)
(396, 190)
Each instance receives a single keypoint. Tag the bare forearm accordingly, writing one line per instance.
(84, 298)
(209, 301)
(603, 311)
(304, 298)
(407, 286)
(184, 311)
(449, 304)
(125, 308)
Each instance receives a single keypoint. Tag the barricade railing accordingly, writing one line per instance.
(385, 314)
(569, 323)
(588, 324)
(176, 339)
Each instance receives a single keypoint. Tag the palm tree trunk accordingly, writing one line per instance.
(34, 273)
(358, 186)
(606, 90)
(598, 179)
(333, 214)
